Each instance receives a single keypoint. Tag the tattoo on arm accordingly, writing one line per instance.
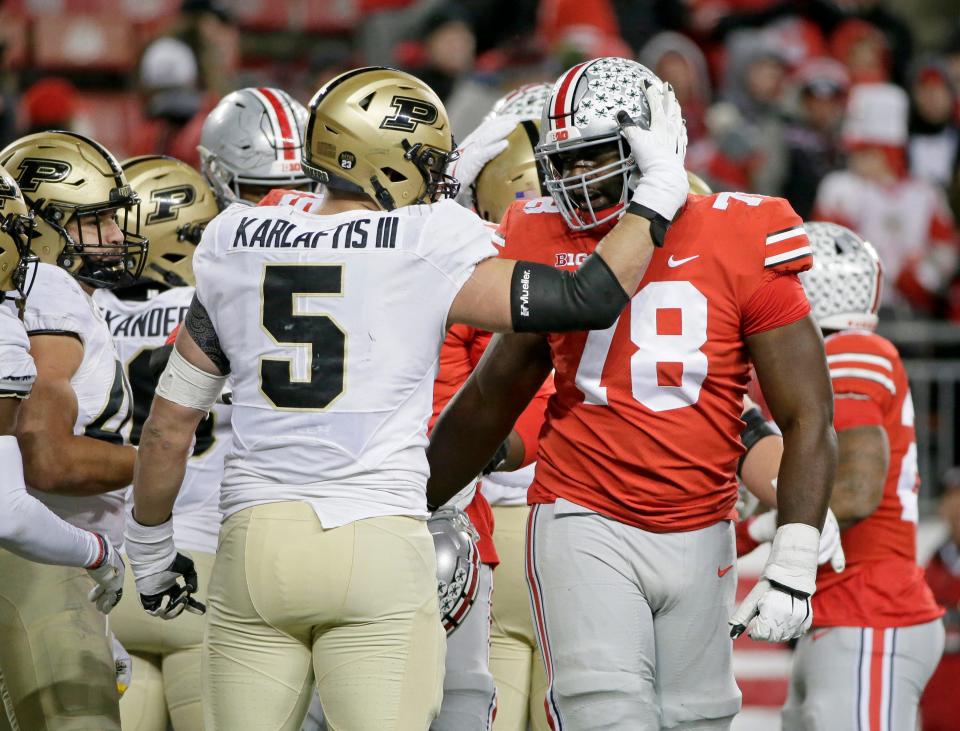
(201, 329)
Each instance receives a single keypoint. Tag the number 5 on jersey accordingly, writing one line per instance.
(668, 324)
(284, 293)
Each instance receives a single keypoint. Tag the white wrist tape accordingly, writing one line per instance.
(183, 383)
(150, 548)
(793, 557)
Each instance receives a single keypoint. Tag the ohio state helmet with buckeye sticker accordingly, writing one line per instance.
(579, 119)
(458, 564)
(844, 284)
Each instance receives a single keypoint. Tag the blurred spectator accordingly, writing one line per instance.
(171, 101)
(812, 139)
(635, 21)
(754, 82)
(864, 50)
(209, 30)
(951, 59)
(677, 59)
(934, 149)
(449, 47)
(8, 99)
(49, 104)
(939, 702)
(907, 219)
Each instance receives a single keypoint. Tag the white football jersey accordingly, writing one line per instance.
(508, 488)
(57, 304)
(17, 371)
(139, 327)
(333, 327)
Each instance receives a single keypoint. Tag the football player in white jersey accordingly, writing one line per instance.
(329, 327)
(27, 527)
(72, 430)
(251, 143)
(176, 205)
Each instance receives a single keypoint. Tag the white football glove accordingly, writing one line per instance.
(659, 153)
(165, 579)
(763, 528)
(778, 608)
(480, 147)
(108, 575)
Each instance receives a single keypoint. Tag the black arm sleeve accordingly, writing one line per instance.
(753, 431)
(544, 299)
(200, 327)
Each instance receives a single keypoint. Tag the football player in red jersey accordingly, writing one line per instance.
(877, 634)
(630, 545)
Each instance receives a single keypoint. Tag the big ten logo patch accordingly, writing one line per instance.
(570, 259)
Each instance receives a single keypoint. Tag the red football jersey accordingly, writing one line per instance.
(459, 355)
(882, 585)
(645, 424)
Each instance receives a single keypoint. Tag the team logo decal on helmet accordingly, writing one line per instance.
(168, 202)
(34, 171)
(410, 113)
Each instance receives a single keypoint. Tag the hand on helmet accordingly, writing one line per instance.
(778, 608)
(480, 147)
(108, 573)
(659, 152)
(166, 580)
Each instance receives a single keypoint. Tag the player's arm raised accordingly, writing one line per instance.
(188, 388)
(482, 413)
(56, 460)
(507, 296)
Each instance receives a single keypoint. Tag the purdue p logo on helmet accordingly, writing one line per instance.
(393, 130)
(177, 204)
(69, 178)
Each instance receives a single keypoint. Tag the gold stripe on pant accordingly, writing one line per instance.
(514, 656)
(56, 664)
(354, 606)
(166, 659)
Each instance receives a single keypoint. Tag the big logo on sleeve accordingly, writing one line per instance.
(410, 113)
(169, 201)
(34, 171)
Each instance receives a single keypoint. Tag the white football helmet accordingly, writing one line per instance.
(458, 564)
(582, 113)
(254, 136)
(844, 284)
(525, 101)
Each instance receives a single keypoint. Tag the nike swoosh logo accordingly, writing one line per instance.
(723, 572)
(671, 262)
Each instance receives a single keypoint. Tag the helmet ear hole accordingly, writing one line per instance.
(365, 102)
(394, 176)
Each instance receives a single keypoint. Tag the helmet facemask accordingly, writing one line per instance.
(20, 228)
(598, 195)
(91, 259)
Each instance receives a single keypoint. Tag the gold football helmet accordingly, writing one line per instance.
(177, 204)
(382, 133)
(511, 175)
(698, 185)
(17, 262)
(67, 177)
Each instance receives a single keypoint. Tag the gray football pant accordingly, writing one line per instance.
(861, 678)
(632, 624)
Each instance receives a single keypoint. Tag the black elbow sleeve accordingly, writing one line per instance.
(544, 299)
